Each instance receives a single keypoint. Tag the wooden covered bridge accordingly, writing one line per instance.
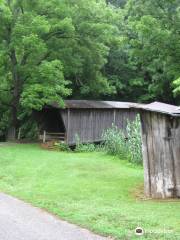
(82, 118)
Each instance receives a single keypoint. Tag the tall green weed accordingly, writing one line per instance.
(116, 142)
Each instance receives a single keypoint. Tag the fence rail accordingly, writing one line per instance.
(52, 136)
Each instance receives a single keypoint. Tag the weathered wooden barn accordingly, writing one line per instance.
(87, 119)
(161, 149)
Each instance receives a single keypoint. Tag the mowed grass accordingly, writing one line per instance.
(93, 190)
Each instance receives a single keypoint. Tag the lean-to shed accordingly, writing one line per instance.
(87, 119)
(161, 149)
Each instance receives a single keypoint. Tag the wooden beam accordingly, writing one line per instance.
(19, 134)
(44, 136)
(68, 125)
(114, 117)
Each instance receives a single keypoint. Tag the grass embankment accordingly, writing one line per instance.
(93, 190)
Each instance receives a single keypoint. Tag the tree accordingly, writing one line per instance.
(96, 30)
(116, 49)
(31, 77)
(117, 3)
(48, 49)
(177, 87)
(154, 44)
(149, 52)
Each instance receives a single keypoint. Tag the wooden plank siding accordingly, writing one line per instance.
(89, 124)
(161, 154)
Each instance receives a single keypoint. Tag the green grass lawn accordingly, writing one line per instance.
(93, 190)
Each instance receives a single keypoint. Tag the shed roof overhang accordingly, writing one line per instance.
(90, 104)
(159, 107)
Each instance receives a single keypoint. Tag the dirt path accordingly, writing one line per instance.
(21, 221)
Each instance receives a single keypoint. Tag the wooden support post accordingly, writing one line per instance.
(44, 136)
(19, 134)
(114, 116)
(65, 137)
(92, 126)
(68, 126)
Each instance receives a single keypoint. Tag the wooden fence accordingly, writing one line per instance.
(48, 136)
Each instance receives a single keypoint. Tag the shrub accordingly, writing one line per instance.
(62, 146)
(134, 140)
(114, 141)
(29, 130)
(29, 127)
(86, 147)
(117, 143)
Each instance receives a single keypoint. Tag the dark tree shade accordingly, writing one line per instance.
(117, 3)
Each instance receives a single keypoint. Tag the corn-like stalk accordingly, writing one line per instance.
(129, 145)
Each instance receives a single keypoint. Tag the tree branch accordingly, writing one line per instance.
(52, 34)
(39, 62)
(6, 104)
(43, 58)
(24, 59)
(22, 9)
(6, 90)
(59, 34)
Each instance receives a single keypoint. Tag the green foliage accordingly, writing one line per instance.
(177, 86)
(4, 121)
(45, 85)
(145, 64)
(62, 146)
(134, 140)
(115, 141)
(83, 147)
(49, 49)
(116, 49)
(118, 3)
(29, 129)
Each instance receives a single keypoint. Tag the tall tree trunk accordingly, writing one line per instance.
(15, 97)
(16, 82)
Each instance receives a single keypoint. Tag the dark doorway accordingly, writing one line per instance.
(2, 138)
(50, 120)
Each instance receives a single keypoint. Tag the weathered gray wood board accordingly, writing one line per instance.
(161, 154)
(89, 124)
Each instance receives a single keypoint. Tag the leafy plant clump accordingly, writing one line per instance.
(86, 147)
(62, 146)
(116, 142)
(134, 141)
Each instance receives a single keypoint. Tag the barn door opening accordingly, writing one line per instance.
(51, 124)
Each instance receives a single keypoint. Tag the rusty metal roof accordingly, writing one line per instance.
(159, 107)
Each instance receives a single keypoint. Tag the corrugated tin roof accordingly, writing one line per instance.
(114, 104)
(86, 104)
(153, 107)
(93, 104)
(159, 107)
